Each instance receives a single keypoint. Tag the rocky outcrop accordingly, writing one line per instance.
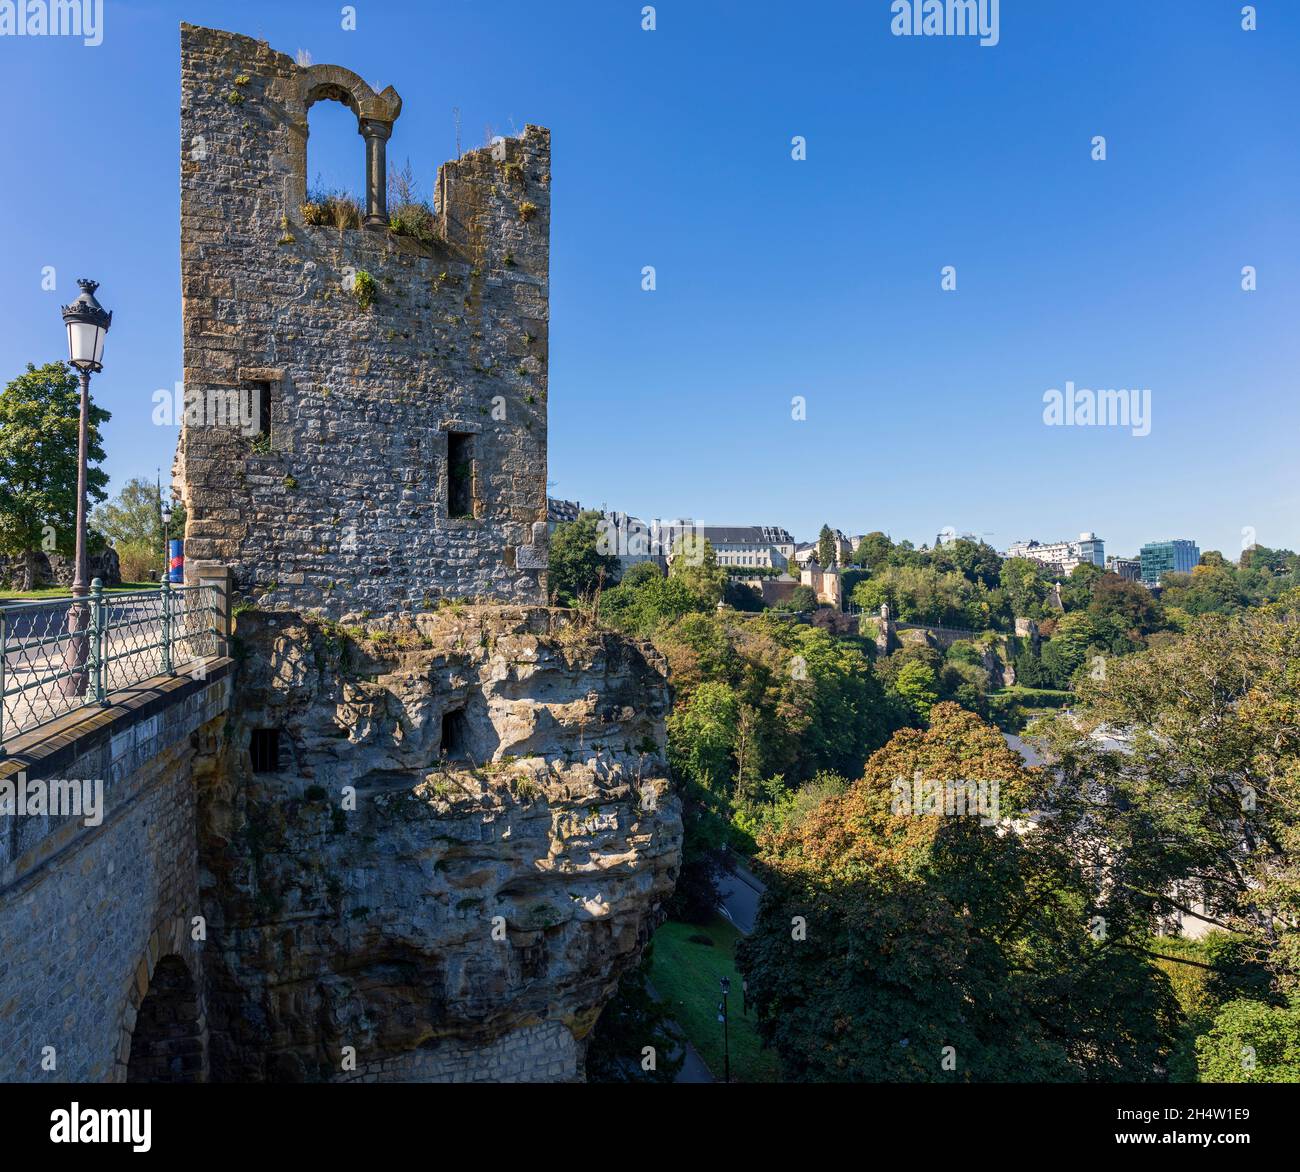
(37, 569)
(430, 849)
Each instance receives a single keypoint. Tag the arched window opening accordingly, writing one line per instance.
(335, 166)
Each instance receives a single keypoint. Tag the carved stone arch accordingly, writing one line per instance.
(375, 113)
(319, 83)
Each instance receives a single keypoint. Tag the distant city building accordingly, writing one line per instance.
(750, 546)
(560, 512)
(1127, 568)
(1159, 558)
(825, 583)
(1061, 557)
(629, 538)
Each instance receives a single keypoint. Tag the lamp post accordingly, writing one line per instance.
(722, 1017)
(87, 322)
(165, 586)
(166, 533)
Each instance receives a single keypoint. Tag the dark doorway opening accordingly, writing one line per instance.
(455, 733)
(167, 1044)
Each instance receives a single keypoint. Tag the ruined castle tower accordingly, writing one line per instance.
(365, 411)
(430, 838)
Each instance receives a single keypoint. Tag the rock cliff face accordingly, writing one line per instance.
(433, 845)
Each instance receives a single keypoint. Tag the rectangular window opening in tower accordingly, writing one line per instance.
(460, 475)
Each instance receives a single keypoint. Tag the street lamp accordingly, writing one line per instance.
(87, 322)
(166, 527)
(722, 1017)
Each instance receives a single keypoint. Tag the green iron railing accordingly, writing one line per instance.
(62, 654)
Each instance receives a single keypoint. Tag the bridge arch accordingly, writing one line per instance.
(164, 1035)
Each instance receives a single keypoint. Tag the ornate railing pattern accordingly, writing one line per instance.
(67, 653)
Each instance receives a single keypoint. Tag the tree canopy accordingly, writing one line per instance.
(39, 417)
(903, 946)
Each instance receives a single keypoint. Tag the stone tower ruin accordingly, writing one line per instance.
(433, 837)
(365, 411)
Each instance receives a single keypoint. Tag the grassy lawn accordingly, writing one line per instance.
(686, 974)
(47, 593)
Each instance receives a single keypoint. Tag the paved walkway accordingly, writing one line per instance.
(740, 890)
(694, 1068)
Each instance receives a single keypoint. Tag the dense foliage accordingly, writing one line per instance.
(927, 947)
(39, 414)
(579, 562)
(132, 521)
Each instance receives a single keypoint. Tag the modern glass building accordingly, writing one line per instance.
(1168, 557)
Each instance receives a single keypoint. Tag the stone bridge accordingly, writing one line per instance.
(99, 966)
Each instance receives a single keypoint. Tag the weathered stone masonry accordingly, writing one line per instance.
(514, 834)
(345, 504)
(88, 912)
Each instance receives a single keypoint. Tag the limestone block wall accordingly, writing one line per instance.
(86, 912)
(326, 420)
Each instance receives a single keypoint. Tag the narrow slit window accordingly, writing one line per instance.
(460, 474)
(259, 407)
(263, 393)
(264, 748)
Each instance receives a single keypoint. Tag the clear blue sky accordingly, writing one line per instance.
(779, 278)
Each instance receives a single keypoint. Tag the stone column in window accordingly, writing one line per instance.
(376, 133)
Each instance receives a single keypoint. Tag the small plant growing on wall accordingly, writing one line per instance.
(331, 208)
(363, 289)
(527, 210)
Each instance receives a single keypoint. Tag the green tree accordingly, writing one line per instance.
(39, 413)
(977, 561)
(825, 547)
(133, 516)
(647, 600)
(1067, 650)
(1076, 591)
(924, 594)
(580, 560)
(917, 685)
(1206, 782)
(132, 522)
(802, 600)
(1251, 1042)
(873, 551)
(695, 563)
(1124, 606)
(632, 1020)
(702, 736)
(1026, 586)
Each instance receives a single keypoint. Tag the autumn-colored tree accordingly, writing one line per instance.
(903, 946)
